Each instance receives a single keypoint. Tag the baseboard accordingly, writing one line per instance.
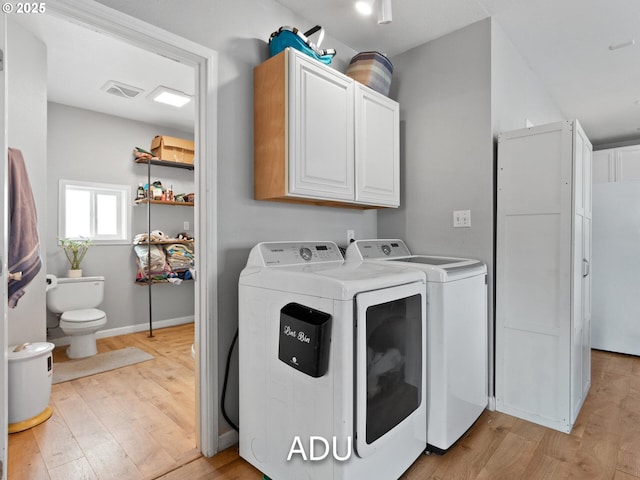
(139, 327)
(227, 439)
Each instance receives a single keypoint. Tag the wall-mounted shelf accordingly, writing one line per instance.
(163, 202)
(169, 241)
(158, 282)
(166, 163)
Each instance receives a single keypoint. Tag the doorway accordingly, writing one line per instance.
(203, 61)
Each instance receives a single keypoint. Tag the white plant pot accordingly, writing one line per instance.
(74, 273)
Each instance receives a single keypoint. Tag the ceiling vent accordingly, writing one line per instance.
(121, 89)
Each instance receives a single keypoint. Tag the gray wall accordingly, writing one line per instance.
(94, 147)
(444, 90)
(27, 131)
(239, 31)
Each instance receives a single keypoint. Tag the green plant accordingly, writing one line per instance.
(75, 250)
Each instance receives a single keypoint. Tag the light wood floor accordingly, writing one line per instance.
(604, 444)
(124, 425)
(136, 422)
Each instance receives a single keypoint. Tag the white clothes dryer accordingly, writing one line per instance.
(457, 335)
(332, 364)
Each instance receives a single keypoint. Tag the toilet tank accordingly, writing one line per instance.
(75, 294)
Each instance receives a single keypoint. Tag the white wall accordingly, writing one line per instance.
(27, 131)
(95, 147)
(239, 31)
(516, 91)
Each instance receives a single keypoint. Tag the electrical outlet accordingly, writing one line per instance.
(351, 236)
(461, 218)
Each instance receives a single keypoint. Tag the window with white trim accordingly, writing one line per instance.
(98, 211)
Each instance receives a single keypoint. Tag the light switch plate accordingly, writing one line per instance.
(461, 218)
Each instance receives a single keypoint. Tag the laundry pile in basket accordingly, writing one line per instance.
(161, 258)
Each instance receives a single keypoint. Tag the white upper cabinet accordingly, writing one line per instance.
(320, 137)
(617, 165)
(320, 132)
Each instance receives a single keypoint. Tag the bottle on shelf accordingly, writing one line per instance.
(140, 194)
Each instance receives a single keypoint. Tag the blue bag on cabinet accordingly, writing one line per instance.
(292, 37)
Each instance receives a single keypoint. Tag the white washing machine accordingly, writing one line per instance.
(457, 335)
(332, 364)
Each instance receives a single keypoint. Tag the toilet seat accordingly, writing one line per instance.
(82, 316)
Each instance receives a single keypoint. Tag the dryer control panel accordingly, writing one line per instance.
(297, 253)
(371, 249)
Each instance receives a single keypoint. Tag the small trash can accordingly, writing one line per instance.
(30, 371)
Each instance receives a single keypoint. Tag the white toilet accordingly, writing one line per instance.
(75, 299)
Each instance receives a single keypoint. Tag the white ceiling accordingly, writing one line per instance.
(566, 42)
(80, 61)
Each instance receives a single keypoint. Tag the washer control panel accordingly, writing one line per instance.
(371, 249)
(296, 253)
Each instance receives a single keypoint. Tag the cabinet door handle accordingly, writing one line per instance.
(586, 267)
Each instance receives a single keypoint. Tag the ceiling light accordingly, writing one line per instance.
(384, 16)
(364, 7)
(170, 97)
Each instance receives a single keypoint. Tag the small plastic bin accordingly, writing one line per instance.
(305, 339)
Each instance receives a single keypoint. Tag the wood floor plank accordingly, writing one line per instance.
(56, 443)
(198, 468)
(77, 470)
(81, 420)
(461, 464)
(141, 447)
(24, 459)
(597, 456)
(621, 364)
(110, 462)
(543, 467)
(528, 430)
(559, 446)
(628, 462)
(510, 460)
(624, 476)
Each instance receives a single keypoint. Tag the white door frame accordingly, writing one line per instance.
(4, 410)
(204, 60)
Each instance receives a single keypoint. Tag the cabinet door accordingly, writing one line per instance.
(377, 148)
(320, 130)
(581, 285)
(628, 164)
(586, 278)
